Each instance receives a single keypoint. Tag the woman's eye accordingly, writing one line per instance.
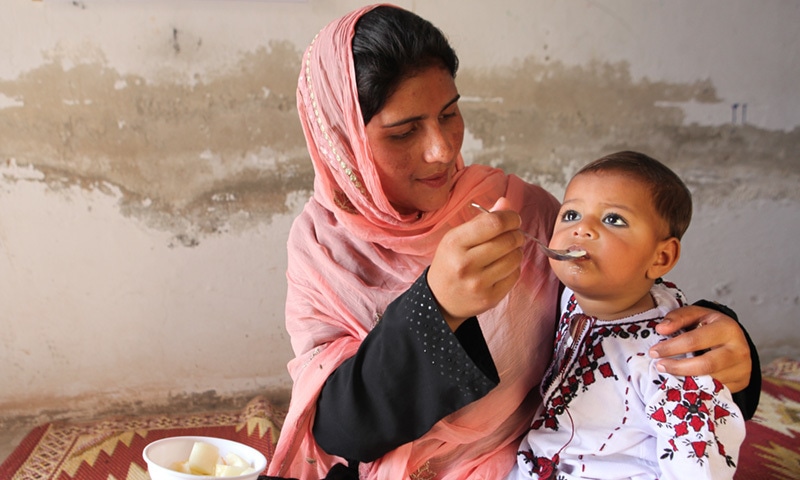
(570, 216)
(403, 134)
(446, 116)
(614, 219)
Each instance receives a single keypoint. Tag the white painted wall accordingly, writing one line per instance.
(99, 308)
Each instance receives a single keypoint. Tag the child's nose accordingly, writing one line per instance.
(584, 229)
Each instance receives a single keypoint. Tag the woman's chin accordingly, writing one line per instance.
(433, 203)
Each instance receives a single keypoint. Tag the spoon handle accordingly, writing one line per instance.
(550, 252)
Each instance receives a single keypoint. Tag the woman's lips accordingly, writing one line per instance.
(436, 181)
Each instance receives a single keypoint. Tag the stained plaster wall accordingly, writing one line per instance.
(151, 164)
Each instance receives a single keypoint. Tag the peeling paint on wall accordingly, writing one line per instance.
(151, 163)
(194, 157)
(201, 153)
(541, 118)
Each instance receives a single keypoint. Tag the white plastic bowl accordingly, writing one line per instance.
(161, 454)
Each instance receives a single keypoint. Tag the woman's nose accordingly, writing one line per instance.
(438, 148)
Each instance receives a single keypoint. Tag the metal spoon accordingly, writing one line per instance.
(550, 252)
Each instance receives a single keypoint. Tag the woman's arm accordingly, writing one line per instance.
(728, 353)
(427, 357)
(409, 372)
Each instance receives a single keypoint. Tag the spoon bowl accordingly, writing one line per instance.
(550, 252)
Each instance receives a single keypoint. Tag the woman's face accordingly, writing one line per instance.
(415, 140)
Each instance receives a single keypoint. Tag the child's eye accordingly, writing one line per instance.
(570, 216)
(614, 219)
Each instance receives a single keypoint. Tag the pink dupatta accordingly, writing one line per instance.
(351, 253)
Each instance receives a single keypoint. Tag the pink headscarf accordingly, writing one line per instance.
(351, 253)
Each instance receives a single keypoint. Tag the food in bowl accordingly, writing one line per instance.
(207, 458)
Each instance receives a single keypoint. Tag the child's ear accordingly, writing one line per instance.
(667, 254)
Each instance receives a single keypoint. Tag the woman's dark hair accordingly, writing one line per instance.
(389, 45)
(671, 198)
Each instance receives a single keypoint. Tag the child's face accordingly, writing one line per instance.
(612, 217)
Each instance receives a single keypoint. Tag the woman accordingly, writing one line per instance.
(420, 328)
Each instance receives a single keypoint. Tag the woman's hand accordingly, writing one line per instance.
(476, 264)
(728, 355)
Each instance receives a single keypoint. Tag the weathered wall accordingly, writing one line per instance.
(151, 164)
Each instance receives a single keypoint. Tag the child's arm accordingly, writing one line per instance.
(698, 427)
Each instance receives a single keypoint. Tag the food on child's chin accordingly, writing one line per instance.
(205, 460)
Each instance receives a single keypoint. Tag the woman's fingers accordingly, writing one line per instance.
(476, 264)
(725, 354)
(735, 377)
(686, 318)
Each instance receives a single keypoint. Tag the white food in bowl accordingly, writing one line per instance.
(163, 454)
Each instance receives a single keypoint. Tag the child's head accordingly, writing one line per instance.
(669, 195)
(628, 211)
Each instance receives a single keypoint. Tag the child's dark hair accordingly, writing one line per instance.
(671, 198)
(389, 45)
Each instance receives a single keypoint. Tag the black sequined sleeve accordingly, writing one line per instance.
(409, 372)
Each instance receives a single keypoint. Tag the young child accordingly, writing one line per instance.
(607, 412)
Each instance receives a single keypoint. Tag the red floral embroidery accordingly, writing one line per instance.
(681, 429)
(580, 373)
(544, 467)
(720, 412)
(659, 415)
(699, 449)
(687, 406)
